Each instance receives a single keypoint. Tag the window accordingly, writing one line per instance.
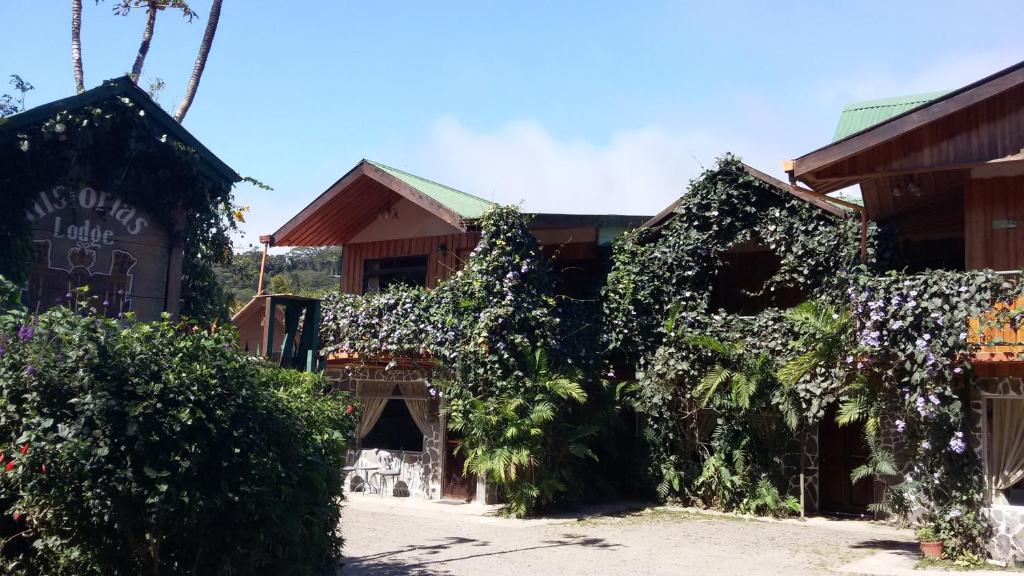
(380, 273)
(395, 430)
(739, 287)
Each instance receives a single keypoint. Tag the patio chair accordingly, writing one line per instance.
(390, 470)
(351, 457)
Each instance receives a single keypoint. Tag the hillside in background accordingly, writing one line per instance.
(307, 271)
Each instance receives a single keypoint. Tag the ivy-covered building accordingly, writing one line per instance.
(700, 305)
(401, 230)
(105, 189)
(942, 175)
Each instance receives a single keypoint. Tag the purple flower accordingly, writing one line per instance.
(26, 332)
(106, 303)
(900, 425)
(30, 370)
(954, 513)
(957, 444)
(2, 351)
(957, 370)
(68, 295)
(926, 445)
(934, 399)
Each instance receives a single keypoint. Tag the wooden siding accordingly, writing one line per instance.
(987, 130)
(438, 267)
(989, 200)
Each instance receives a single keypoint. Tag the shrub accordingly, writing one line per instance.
(146, 448)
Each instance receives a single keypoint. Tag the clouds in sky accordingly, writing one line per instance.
(637, 171)
(641, 170)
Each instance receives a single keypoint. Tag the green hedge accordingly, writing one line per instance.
(159, 448)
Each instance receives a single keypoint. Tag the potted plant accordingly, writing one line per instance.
(931, 543)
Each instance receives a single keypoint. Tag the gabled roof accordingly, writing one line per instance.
(902, 123)
(815, 199)
(467, 206)
(124, 87)
(358, 197)
(860, 116)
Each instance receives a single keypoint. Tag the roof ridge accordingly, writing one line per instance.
(434, 182)
(895, 100)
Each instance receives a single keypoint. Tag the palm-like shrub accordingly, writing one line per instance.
(742, 388)
(522, 441)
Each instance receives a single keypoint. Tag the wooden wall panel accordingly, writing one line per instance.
(987, 201)
(439, 267)
(991, 129)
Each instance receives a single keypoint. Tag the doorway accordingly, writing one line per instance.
(841, 449)
(457, 484)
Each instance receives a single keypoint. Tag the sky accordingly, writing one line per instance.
(576, 107)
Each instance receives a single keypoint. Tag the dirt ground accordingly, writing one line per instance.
(426, 539)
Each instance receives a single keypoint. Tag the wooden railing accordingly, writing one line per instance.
(1000, 341)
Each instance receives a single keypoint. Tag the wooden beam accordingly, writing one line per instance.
(826, 203)
(910, 120)
(320, 201)
(416, 197)
(1005, 161)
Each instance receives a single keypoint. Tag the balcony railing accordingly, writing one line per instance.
(1000, 340)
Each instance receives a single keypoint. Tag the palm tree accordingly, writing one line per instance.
(76, 44)
(152, 8)
(200, 65)
(147, 37)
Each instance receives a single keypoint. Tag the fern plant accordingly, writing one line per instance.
(518, 440)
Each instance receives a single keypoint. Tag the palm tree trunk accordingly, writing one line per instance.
(197, 70)
(147, 36)
(76, 44)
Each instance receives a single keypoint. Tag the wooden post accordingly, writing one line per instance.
(175, 264)
(266, 241)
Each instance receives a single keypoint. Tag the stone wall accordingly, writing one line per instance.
(1007, 522)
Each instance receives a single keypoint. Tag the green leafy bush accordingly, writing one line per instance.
(146, 448)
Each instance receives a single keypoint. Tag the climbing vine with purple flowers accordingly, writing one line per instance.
(912, 354)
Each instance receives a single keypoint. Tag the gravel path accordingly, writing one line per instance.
(385, 538)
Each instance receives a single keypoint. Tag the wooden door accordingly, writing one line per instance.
(457, 485)
(841, 449)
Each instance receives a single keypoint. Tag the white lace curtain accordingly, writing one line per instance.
(1006, 467)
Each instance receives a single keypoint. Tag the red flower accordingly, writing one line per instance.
(349, 409)
(17, 516)
(11, 465)
(24, 449)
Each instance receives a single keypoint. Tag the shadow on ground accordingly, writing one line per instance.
(395, 562)
(885, 544)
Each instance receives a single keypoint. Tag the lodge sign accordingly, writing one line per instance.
(89, 237)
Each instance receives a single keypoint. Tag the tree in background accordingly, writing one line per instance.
(10, 105)
(306, 271)
(153, 7)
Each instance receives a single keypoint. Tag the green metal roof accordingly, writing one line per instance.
(863, 115)
(465, 205)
